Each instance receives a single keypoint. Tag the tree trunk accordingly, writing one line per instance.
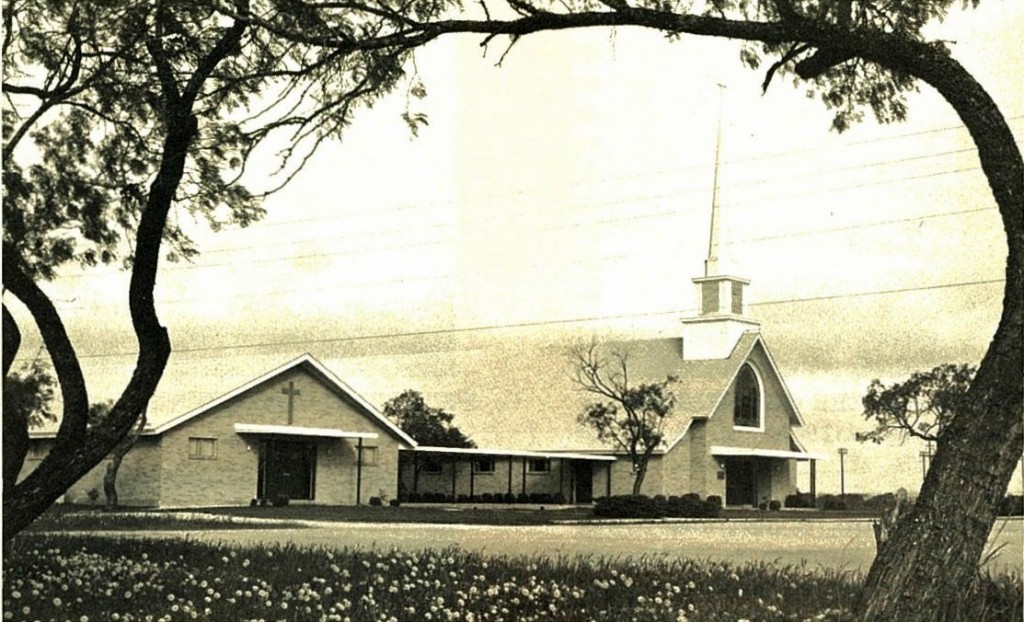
(641, 473)
(930, 560)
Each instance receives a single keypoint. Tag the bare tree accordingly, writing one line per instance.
(630, 417)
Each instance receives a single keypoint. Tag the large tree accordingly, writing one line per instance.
(864, 56)
(118, 115)
(629, 415)
(187, 72)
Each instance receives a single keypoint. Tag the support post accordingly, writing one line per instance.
(472, 479)
(510, 475)
(455, 467)
(524, 476)
(561, 476)
(608, 481)
(359, 472)
(814, 481)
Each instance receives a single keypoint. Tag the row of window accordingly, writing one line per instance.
(200, 448)
(486, 465)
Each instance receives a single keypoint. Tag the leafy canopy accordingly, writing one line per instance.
(918, 407)
(425, 424)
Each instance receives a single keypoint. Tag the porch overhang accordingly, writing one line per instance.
(293, 430)
(515, 453)
(719, 450)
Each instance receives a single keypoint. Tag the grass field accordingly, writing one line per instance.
(89, 518)
(89, 578)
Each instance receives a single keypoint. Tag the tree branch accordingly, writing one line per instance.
(58, 344)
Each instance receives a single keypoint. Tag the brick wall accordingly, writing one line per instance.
(231, 477)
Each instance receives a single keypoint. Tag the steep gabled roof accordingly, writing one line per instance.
(704, 383)
(310, 364)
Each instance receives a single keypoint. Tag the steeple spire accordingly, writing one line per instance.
(721, 320)
(711, 263)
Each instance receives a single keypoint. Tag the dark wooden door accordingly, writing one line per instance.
(739, 481)
(287, 468)
(583, 475)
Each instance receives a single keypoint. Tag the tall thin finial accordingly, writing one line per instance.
(711, 263)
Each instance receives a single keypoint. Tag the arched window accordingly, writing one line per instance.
(747, 408)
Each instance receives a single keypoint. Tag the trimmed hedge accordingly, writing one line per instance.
(642, 506)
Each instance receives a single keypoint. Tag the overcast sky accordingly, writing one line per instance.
(568, 193)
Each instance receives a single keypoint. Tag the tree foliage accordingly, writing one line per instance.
(124, 122)
(28, 403)
(921, 406)
(426, 424)
(630, 417)
(190, 88)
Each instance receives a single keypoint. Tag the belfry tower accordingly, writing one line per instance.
(721, 320)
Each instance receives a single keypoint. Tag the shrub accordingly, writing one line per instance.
(1012, 505)
(558, 498)
(774, 505)
(394, 503)
(628, 506)
(522, 498)
(376, 502)
(254, 502)
(641, 506)
(93, 495)
(852, 501)
(685, 507)
(716, 501)
(487, 498)
(280, 500)
(831, 502)
(509, 498)
(462, 499)
(799, 500)
(763, 506)
(880, 503)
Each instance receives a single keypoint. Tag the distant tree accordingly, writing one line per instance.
(28, 403)
(919, 407)
(427, 425)
(630, 417)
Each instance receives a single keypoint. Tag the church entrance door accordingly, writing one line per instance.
(739, 482)
(287, 469)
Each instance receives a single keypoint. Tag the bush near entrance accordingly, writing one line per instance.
(659, 506)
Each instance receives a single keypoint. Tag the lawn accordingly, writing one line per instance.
(82, 578)
(94, 518)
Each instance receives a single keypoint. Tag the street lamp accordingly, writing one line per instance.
(842, 470)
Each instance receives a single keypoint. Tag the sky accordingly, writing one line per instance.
(567, 194)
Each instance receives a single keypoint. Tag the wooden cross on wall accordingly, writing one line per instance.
(291, 392)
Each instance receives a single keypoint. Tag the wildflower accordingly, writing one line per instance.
(57, 602)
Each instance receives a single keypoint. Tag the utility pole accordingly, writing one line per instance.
(842, 470)
(926, 459)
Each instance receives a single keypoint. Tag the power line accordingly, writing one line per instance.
(668, 171)
(544, 265)
(541, 323)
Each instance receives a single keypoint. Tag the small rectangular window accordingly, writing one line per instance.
(369, 456)
(484, 465)
(539, 465)
(431, 466)
(202, 448)
(737, 298)
(709, 297)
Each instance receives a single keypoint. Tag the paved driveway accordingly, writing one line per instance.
(831, 544)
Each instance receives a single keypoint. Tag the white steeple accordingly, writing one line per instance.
(720, 321)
